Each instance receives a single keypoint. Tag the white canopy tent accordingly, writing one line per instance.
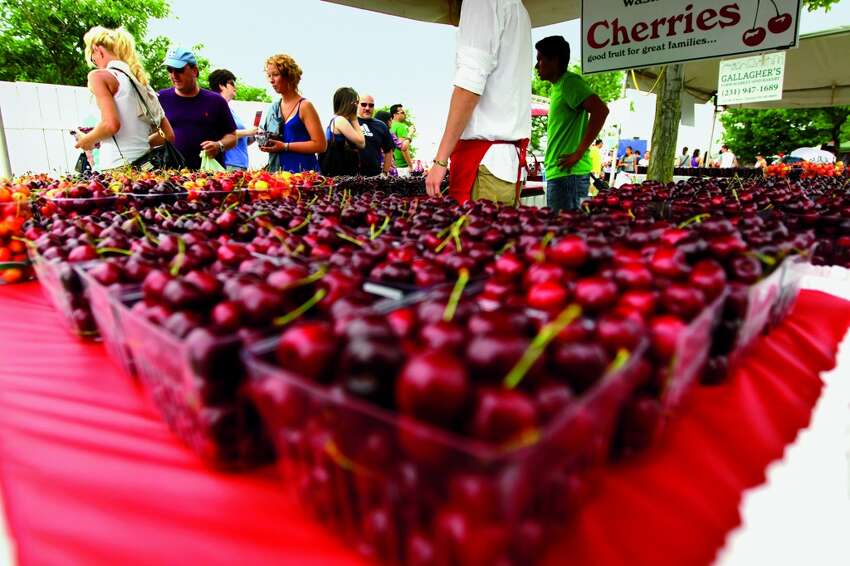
(815, 76)
(542, 12)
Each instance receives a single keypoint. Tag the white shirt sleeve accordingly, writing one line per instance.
(478, 37)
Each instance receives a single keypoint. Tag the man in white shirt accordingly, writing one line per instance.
(489, 119)
(727, 158)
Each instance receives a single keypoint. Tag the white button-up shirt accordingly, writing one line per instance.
(494, 61)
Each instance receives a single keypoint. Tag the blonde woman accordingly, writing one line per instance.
(292, 120)
(130, 113)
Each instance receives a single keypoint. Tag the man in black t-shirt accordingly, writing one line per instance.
(379, 142)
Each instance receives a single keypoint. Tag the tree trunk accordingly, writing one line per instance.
(665, 131)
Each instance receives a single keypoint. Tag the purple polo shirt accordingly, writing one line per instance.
(203, 117)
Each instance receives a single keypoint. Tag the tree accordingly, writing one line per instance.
(750, 131)
(669, 111)
(42, 40)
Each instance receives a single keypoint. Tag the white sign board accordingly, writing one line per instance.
(751, 79)
(631, 34)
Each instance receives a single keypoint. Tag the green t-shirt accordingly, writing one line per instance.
(400, 130)
(567, 124)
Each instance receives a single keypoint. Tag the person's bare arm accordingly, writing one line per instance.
(598, 113)
(213, 148)
(388, 161)
(461, 107)
(104, 86)
(351, 130)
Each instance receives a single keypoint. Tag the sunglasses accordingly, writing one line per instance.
(367, 105)
(173, 71)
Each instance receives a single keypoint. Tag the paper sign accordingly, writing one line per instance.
(631, 34)
(751, 79)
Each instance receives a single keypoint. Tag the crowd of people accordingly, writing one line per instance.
(199, 122)
(486, 135)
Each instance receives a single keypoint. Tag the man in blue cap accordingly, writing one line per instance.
(201, 119)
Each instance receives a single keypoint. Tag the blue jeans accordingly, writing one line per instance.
(566, 193)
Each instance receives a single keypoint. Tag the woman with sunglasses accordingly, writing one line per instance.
(292, 121)
(344, 135)
(130, 111)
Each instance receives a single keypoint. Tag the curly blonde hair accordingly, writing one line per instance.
(287, 67)
(120, 43)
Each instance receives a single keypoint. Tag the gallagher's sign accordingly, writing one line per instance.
(630, 34)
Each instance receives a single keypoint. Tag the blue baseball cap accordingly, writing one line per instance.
(179, 58)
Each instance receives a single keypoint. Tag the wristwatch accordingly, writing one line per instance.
(220, 147)
(442, 163)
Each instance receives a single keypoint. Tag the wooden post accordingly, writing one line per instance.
(665, 131)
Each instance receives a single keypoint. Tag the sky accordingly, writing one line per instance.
(393, 59)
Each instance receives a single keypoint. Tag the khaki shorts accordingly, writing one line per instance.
(489, 187)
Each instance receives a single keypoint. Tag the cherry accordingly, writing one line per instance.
(669, 262)
(82, 252)
(493, 356)
(226, 316)
(582, 364)
(368, 367)
(309, 349)
(779, 23)
(548, 296)
(551, 398)
(709, 277)
(615, 331)
(633, 276)
(433, 387)
(746, 269)
(106, 273)
(443, 336)
(664, 332)
(683, 300)
(502, 415)
(595, 293)
(570, 252)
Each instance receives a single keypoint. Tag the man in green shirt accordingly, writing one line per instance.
(402, 131)
(576, 116)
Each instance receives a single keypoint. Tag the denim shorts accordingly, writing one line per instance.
(566, 193)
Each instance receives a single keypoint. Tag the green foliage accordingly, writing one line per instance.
(42, 40)
(608, 86)
(749, 131)
(539, 124)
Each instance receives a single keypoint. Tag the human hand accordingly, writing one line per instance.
(274, 146)
(253, 131)
(567, 161)
(211, 148)
(83, 143)
(434, 180)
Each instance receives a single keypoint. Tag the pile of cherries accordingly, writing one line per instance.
(529, 345)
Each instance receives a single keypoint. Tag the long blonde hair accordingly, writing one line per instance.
(120, 43)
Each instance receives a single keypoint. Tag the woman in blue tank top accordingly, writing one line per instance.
(292, 119)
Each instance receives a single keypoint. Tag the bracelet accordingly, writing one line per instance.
(220, 147)
(444, 163)
(286, 147)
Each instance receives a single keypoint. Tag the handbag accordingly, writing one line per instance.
(164, 156)
(340, 158)
(600, 184)
(83, 166)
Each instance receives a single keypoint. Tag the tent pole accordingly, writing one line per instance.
(5, 164)
(711, 136)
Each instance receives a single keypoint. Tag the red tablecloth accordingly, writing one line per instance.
(90, 475)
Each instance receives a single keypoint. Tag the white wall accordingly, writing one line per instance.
(38, 118)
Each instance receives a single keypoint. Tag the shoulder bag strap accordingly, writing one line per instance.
(142, 99)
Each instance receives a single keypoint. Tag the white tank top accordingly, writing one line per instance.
(132, 136)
